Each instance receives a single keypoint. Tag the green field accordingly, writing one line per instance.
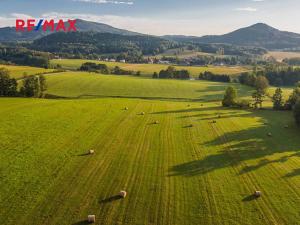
(18, 71)
(174, 173)
(149, 69)
(82, 84)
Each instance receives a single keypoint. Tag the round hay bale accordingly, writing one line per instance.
(142, 113)
(91, 218)
(257, 194)
(122, 194)
(270, 134)
(92, 152)
(126, 108)
(156, 122)
(286, 126)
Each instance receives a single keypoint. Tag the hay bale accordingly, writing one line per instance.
(286, 126)
(142, 113)
(126, 108)
(156, 122)
(92, 152)
(122, 194)
(257, 194)
(270, 134)
(91, 218)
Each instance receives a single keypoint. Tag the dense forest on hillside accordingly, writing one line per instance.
(100, 43)
(22, 56)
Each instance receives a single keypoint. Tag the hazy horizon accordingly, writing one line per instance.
(191, 17)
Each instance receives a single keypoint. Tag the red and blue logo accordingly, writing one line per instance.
(45, 25)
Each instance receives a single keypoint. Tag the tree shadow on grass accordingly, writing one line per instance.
(83, 222)
(188, 110)
(249, 198)
(295, 173)
(110, 199)
(84, 154)
(240, 146)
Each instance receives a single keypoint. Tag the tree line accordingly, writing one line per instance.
(214, 77)
(259, 95)
(277, 76)
(172, 73)
(32, 86)
(104, 69)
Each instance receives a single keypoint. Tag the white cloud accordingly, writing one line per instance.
(126, 2)
(10, 20)
(142, 25)
(246, 9)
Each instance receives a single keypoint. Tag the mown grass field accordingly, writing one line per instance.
(174, 173)
(149, 69)
(280, 56)
(18, 71)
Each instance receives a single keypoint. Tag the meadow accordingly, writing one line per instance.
(92, 85)
(149, 69)
(18, 71)
(183, 170)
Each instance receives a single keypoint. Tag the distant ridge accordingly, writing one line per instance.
(257, 35)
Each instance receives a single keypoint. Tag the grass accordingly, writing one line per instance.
(149, 69)
(173, 173)
(18, 71)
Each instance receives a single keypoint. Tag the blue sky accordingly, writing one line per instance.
(188, 17)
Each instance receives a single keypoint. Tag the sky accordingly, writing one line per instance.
(161, 17)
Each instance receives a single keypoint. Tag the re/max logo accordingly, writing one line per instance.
(45, 25)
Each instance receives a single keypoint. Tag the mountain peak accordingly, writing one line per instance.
(257, 35)
(262, 26)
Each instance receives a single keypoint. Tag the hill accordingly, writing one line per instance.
(257, 35)
(100, 43)
(9, 33)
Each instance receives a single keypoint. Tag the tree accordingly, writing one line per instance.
(293, 97)
(33, 86)
(258, 96)
(155, 75)
(278, 101)
(8, 86)
(229, 97)
(43, 85)
(261, 83)
(297, 112)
